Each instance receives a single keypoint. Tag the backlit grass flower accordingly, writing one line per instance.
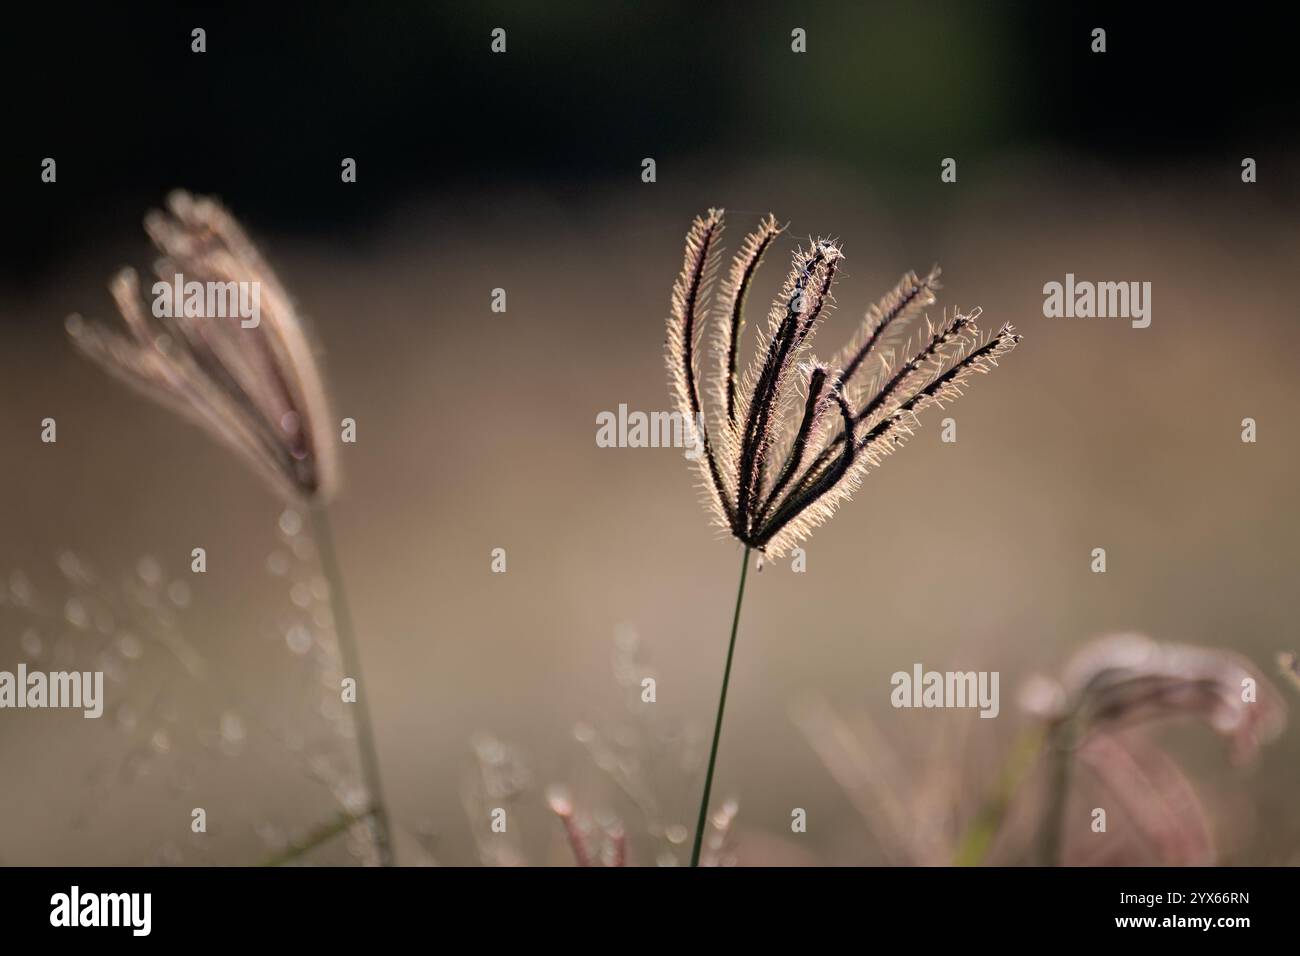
(1122, 684)
(255, 388)
(789, 440)
(1128, 679)
(251, 381)
(792, 437)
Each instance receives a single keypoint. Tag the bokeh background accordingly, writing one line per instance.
(476, 429)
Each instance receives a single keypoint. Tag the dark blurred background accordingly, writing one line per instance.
(588, 89)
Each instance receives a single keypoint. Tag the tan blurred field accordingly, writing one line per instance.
(476, 431)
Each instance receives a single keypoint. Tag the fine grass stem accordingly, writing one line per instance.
(351, 659)
(717, 726)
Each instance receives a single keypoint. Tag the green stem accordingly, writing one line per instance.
(974, 846)
(1061, 744)
(717, 726)
(352, 668)
(321, 835)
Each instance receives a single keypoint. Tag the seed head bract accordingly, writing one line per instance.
(790, 438)
(257, 389)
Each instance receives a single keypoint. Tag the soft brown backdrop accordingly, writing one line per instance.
(476, 431)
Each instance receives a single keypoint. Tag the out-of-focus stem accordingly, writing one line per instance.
(352, 668)
(318, 837)
(974, 846)
(1061, 741)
